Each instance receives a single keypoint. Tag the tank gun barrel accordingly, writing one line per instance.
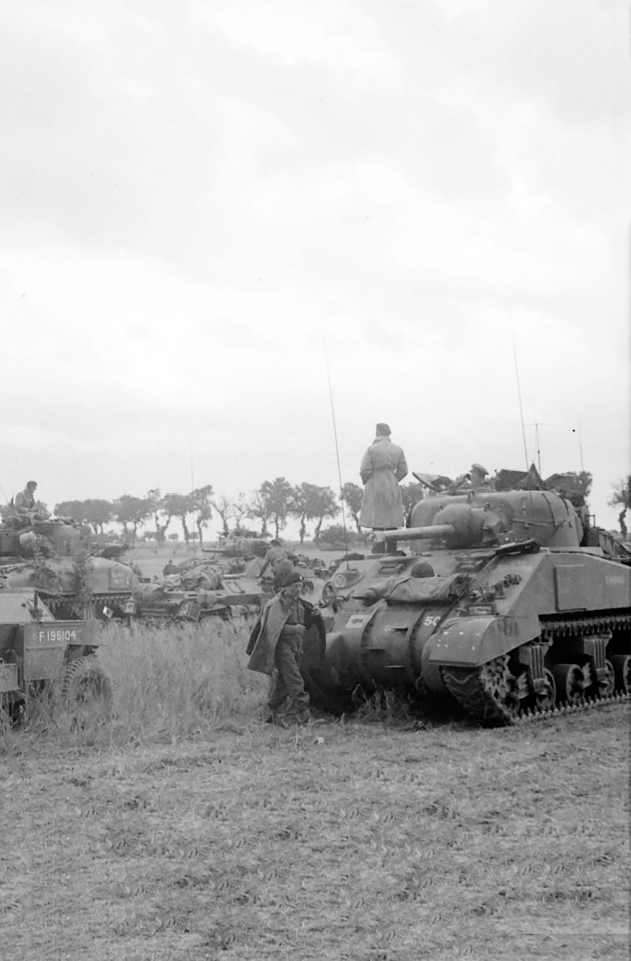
(415, 533)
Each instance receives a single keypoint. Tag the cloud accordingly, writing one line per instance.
(195, 198)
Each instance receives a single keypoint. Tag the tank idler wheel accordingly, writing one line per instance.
(621, 664)
(570, 683)
(546, 699)
(607, 683)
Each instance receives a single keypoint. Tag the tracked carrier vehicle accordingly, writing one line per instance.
(499, 601)
(53, 558)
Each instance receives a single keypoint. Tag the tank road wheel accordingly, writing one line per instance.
(570, 683)
(87, 691)
(607, 684)
(621, 664)
(546, 699)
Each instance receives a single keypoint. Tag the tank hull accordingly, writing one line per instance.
(538, 616)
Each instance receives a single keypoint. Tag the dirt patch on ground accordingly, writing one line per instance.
(341, 840)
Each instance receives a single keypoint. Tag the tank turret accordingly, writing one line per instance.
(490, 599)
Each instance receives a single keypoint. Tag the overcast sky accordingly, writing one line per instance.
(209, 207)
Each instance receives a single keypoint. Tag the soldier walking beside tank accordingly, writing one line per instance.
(383, 466)
(276, 648)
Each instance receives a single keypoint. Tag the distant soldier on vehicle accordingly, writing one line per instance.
(475, 479)
(383, 466)
(25, 508)
(279, 560)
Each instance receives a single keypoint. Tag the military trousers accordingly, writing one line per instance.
(288, 686)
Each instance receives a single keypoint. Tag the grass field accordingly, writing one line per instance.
(187, 829)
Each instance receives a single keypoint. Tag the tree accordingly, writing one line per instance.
(179, 505)
(95, 512)
(128, 509)
(223, 505)
(322, 503)
(276, 496)
(258, 509)
(352, 496)
(98, 513)
(73, 509)
(202, 509)
(311, 502)
(159, 514)
(240, 509)
(412, 493)
(299, 506)
(621, 497)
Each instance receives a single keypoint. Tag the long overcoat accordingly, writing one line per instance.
(382, 467)
(267, 630)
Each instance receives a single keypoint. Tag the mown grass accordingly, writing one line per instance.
(195, 832)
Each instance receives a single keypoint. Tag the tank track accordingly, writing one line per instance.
(476, 689)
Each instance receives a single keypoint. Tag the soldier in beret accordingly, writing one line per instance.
(276, 648)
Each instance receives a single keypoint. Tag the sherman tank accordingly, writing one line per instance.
(53, 557)
(502, 602)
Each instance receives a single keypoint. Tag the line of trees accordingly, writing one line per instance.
(271, 507)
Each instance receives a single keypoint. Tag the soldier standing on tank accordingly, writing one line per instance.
(383, 466)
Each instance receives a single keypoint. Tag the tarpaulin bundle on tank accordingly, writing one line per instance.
(201, 577)
(415, 590)
(146, 593)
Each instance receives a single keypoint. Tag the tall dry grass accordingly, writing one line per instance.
(173, 681)
(168, 683)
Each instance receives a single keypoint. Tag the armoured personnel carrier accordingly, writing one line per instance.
(37, 650)
(500, 601)
(52, 557)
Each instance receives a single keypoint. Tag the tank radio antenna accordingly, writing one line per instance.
(580, 446)
(337, 446)
(521, 411)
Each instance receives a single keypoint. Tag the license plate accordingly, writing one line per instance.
(59, 634)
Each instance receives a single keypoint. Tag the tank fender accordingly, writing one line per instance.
(472, 641)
